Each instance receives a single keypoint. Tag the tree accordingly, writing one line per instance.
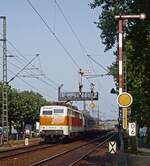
(29, 106)
(136, 49)
(23, 107)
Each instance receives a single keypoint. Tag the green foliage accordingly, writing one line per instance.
(23, 107)
(107, 22)
(136, 48)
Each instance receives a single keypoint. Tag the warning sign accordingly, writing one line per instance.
(112, 147)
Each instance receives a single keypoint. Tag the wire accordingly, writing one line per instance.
(70, 26)
(30, 84)
(73, 31)
(101, 66)
(54, 24)
(52, 81)
(22, 68)
(51, 32)
(34, 77)
(16, 75)
(14, 47)
(76, 36)
(25, 59)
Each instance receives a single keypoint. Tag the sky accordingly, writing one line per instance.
(27, 36)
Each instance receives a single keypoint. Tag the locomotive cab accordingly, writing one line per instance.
(60, 122)
(53, 123)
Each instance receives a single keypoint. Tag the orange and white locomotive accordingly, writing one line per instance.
(60, 121)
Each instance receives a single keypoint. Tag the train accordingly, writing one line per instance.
(61, 121)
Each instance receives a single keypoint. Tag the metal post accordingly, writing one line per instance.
(59, 88)
(121, 19)
(98, 116)
(4, 88)
(80, 82)
(84, 105)
(120, 58)
(125, 73)
(120, 79)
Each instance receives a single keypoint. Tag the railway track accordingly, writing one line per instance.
(22, 150)
(90, 152)
(74, 155)
(35, 154)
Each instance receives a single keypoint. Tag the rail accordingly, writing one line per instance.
(71, 150)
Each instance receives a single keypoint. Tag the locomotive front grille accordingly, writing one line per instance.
(52, 132)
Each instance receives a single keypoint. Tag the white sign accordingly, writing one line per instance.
(132, 129)
(112, 147)
(26, 141)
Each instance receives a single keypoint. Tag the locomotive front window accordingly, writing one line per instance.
(58, 111)
(47, 112)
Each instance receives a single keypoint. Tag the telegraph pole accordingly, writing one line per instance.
(4, 86)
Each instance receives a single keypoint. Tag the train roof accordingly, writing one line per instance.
(60, 103)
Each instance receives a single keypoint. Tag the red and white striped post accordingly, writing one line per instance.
(121, 18)
(120, 56)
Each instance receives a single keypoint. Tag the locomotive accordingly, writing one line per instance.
(61, 121)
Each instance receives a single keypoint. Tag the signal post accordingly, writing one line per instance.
(124, 99)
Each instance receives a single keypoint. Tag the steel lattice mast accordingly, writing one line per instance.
(4, 86)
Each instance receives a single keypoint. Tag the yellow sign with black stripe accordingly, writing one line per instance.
(124, 118)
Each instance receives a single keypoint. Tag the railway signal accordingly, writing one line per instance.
(80, 95)
(91, 105)
(124, 99)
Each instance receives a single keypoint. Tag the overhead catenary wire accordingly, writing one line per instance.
(56, 84)
(38, 90)
(46, 22)
(52, 81)
(21, 69)
(71, 28)
(26, 60)
(55, 36)
(100, 65)
(54, 23)
(34, 76)
(17, 51)
(83, 49)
